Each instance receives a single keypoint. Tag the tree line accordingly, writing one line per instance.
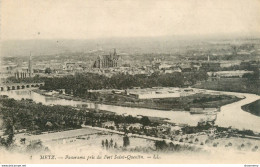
(79, 84)
(25, 114)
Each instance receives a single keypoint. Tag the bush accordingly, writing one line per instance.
(255, 148)
(36, 146)
(161, 145)
(215, 144)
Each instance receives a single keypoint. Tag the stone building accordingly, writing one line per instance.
(108, 61)
(24, 72)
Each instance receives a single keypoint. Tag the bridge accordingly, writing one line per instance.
(17, 86)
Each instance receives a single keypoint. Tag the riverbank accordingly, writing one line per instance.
(61, 96)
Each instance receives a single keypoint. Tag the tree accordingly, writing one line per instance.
(111, 143)
(10, 132)
(161, 145)
(145, 121)
(36, 146)
(126, 141)
(47, 70)
(171, 146)
(2, 141)
(22, 140)
(115, 146)
(106, 143)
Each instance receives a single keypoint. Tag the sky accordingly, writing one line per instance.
(90, 19)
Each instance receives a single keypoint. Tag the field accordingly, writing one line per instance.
(49, 136)
(89, 141)
(231, 143)
(85, 140)
(68, 147)
(243, 85)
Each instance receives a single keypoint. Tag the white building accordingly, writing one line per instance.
(237, 73)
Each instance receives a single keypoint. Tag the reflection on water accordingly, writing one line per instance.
(47, 100)
(173, 116)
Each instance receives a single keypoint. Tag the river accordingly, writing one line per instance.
(229, 115)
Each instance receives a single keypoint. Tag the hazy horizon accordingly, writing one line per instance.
(131, 45)
(57, 26)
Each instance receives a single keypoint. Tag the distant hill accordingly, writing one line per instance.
(128, 45)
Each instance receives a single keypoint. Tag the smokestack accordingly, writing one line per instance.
(30, 70)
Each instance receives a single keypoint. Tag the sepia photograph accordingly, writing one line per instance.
(130, 82)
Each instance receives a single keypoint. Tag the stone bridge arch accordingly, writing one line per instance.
(17, 86)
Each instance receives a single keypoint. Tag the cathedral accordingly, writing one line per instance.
(108, 61)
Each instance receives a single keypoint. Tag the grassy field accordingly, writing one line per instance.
(243, 85)
(253, 108)
(48, 136)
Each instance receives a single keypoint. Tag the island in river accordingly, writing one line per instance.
(253, 108)
(184, 103)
